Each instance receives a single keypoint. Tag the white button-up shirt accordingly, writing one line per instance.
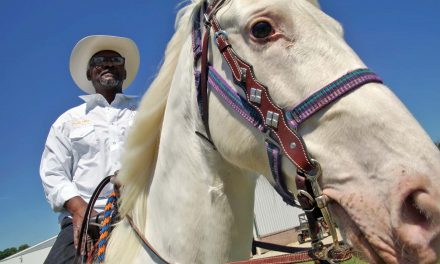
(84, 146)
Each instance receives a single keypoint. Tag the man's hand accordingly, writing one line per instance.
(77, 208)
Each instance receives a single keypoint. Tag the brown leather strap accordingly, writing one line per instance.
(277, 247)
(281, 259)
(290, 142)
(212, 8)
(144, 239)
(307, 255)
(303, 256)
(204, 84)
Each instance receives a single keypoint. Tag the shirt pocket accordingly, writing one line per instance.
(126, 127)
(84, 141)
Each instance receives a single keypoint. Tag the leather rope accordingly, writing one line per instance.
(82, 247)
(110, 212)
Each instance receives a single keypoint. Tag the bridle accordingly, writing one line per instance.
(279, 127)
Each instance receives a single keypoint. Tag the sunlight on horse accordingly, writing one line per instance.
(195, 204)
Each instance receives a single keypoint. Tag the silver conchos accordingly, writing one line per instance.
(272, 119)
(243, 75)
(255, 96)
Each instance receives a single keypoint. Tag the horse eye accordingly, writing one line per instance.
(261, 29)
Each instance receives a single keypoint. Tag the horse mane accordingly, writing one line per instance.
(141, 147)
(315, 3)
(143, 138)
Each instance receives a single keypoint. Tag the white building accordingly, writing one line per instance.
(274, 220)
(272, 214)
(33, 255)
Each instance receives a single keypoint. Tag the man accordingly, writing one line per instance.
(84, 144)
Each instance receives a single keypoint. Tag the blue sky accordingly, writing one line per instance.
(399, 42)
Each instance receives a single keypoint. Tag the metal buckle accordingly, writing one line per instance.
(217, 34)
(221, 32)
(321, 201)
(271, 140)
(307, 195)
(295, 117)
(206, 20)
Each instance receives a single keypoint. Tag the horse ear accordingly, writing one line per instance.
(315, 3)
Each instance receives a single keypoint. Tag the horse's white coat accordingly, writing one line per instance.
(195, 204)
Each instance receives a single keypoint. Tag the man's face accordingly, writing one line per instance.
(106, 70)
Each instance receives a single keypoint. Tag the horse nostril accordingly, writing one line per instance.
(414, 212)
(418, 227)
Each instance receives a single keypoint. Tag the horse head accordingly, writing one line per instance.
(380, 170)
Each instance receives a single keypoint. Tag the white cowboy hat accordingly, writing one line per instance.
(90, 45)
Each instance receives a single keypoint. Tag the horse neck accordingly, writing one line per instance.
(200, 207)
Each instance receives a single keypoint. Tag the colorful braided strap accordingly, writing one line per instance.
(105, 225)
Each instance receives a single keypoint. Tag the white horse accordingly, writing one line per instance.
(195, 204)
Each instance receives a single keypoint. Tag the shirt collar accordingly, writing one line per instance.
(121, 98)
(93, 100)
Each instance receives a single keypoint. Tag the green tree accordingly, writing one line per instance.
(23, 247)
(8, 252)
(438, 144)
(11, 251)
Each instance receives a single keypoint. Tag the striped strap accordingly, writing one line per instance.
(329, 94)
(298, 114)
(274, 156)
(239, 104)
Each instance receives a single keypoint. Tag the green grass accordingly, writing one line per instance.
(353, 260)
